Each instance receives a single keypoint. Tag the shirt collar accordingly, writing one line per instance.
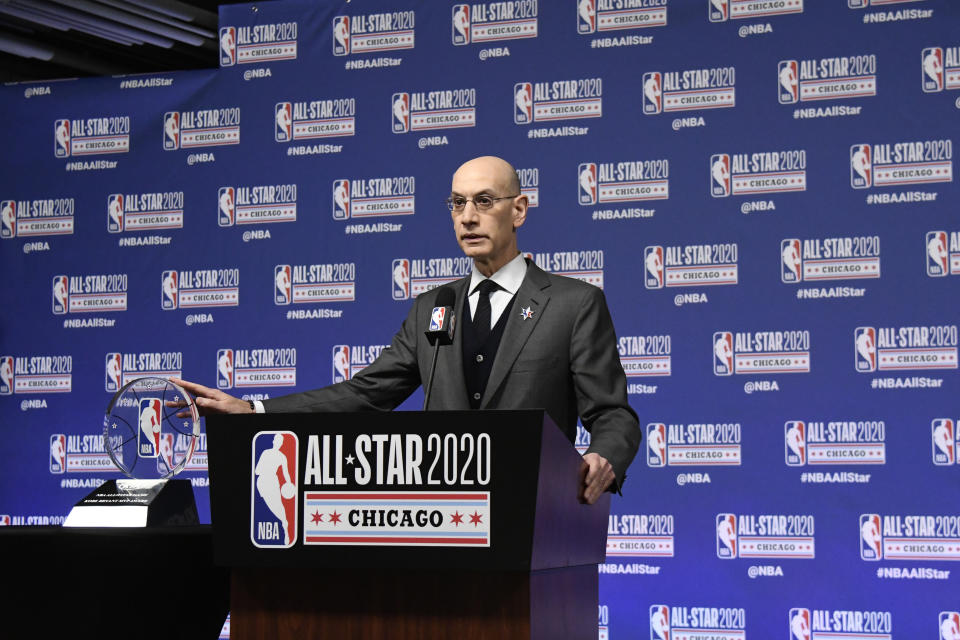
(509, 276)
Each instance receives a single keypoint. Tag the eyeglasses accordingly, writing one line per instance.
(482, 202)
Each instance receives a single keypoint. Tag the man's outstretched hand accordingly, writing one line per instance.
(209, 400)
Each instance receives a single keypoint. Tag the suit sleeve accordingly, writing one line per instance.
(383, 385)
(601, 386)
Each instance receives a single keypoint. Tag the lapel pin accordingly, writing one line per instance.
(526, 312)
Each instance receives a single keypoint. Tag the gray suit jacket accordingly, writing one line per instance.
(563, 359)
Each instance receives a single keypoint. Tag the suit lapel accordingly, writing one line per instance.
(532, 297)
(455, 390)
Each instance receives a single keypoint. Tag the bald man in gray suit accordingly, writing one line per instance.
(531, 340)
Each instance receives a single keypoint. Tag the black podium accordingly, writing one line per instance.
(404, 525)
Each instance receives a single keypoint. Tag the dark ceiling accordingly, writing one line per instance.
(47, 39)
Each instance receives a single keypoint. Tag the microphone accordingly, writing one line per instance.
(440, 332)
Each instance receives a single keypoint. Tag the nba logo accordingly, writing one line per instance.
(341, 35)
(726, 536)
(401, 112)
(170, 291)
(273, 494)
(148, 442)
(228, 46)
(171, 130)
(944, 445)
(717, 10)
(58, 453)
(949, 625)
(586, 16)
(461, 24)
(720, 175)
(723, 353)
(790, 261)
(861, 167)
(115, 212)
(799, 624)
(60, 298)
(865, 340)
(523, 103)
(795, 444)
(789, 90)
(653, 263)
(937, 256)
(165, 461)
(659, 622)
(283, 120)
(61, 132)
(652, 92)
(8, 219)
(341, 363)
(436, 318)
(113, 372)
(656, 444)
(857, 4)
(871, 543)
(587, 183)
(932, 63)
(224, 368)
(4, 520)
(341, 199)
(226, 207)
(401, 279)
(282, 284)
(6, 375)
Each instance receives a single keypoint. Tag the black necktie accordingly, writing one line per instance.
(481, 319)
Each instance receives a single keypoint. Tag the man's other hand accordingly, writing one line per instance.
(596, 474)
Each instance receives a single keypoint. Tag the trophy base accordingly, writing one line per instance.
(136, 503)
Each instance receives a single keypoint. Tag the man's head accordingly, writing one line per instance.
(488, 236)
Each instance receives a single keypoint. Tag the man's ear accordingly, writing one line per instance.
(520, 205)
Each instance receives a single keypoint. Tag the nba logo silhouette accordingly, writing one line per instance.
(4, 520)
(653, 263)
(341, 199)
(861, 167)
(726, 536)
(932, 64)
(586, 16)
(273, 494)
(858, 4)
(795, 443)
(717, 10)
(587, 183)
(656, 444)
(60, 296)
(401, 112)
(170, 297)
(113, 372)
(283, 120)
(523, 103)
(720, 175)
(799, 620)
(8, 219)
(436, 318)
(228, 46)
(61, 132)
(723, 353)
(865, 341)
(871, 542)
(282, 284)
(659, 622)
(652, 92)
(165, 460)
(788, 82)
(6, 375)
(226, 207)
(949, 625)
(937, 256)
(945, 445)
(148, 436)
(115, 212)
(341, 35)
(341, 363)
(791, 263)
(171, 130)
(58, 453)
(401, 279)
(461, 24)
(224, 368)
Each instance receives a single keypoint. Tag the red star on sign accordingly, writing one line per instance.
(335, 518)
(317, 518)
(475, 519)
(456, 518)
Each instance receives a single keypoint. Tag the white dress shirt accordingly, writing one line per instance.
(509, 277)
